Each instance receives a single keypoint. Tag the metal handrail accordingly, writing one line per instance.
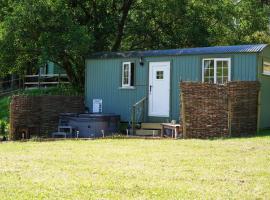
(134, 113)
(139, 102)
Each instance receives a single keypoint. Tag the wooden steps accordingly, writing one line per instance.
(149, 129)
(153, 126)
(145, 132)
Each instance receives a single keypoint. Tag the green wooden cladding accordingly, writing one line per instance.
(55, 69)
(103, 81)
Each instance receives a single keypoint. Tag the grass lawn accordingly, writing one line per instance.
(136, 169)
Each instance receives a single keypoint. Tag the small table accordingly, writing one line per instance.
(174, 127)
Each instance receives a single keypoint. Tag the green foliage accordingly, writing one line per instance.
(4, 108)
(44, 31)
(182, 23)
(62, 31)
(4, 127)
(60, 90)
(4, 115)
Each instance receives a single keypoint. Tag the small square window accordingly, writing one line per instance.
(159, 74)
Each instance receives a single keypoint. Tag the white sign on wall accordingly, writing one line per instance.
(97, 105)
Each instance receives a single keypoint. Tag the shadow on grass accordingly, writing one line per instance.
(262, 133)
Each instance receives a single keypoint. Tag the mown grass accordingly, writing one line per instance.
(136, 169)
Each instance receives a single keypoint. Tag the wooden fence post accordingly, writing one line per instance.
(229, 116)
(259, 111)
(183, 115)
(23, 81)
(133, 126)
(39, 80)
(59, 79)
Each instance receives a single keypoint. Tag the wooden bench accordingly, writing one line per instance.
(174, 127)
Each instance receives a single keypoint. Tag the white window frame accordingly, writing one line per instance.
(129, 74)
(215, 67)
(267, 73)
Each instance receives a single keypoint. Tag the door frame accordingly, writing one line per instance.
(169, 63)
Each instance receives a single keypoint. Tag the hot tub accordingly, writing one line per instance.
(89, 124)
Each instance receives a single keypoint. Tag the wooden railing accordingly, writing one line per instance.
(9, 86)
(138, 113)
(44, 80)
(31, 81)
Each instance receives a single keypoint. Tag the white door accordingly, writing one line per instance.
(159, 89)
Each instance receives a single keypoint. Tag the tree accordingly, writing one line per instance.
(183, 23)
(33, 32)
(65, 31)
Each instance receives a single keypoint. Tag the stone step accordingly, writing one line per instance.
(147, 132)
(151, 126)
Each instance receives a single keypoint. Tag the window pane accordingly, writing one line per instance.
(126, 74)
(225, 79)
(159, 75)
(206, 72)
(219, 68)
(225, 64)
(225, 68)
(211, 80)
(222, 71)
(266, 68)
(225, 71)
(219, 79)
(209, 64)
(209, 71)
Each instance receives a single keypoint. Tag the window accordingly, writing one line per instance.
(216, 70)
(128, 74)
(159, 75)
(266, 68)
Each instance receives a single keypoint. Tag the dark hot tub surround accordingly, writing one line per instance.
(89, 124)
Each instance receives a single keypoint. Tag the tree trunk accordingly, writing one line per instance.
(121, 25)
(75, 78)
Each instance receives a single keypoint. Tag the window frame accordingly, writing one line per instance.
(131, 75)
(215, 68)
(266, 73)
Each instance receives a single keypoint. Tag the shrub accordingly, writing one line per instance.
(3, 127)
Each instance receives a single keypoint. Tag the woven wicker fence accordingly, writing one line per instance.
(38, 115)
(211, 110)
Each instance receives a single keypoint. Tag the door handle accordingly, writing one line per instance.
(150, 88)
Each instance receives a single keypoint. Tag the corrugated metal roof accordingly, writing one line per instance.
(186, 51)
